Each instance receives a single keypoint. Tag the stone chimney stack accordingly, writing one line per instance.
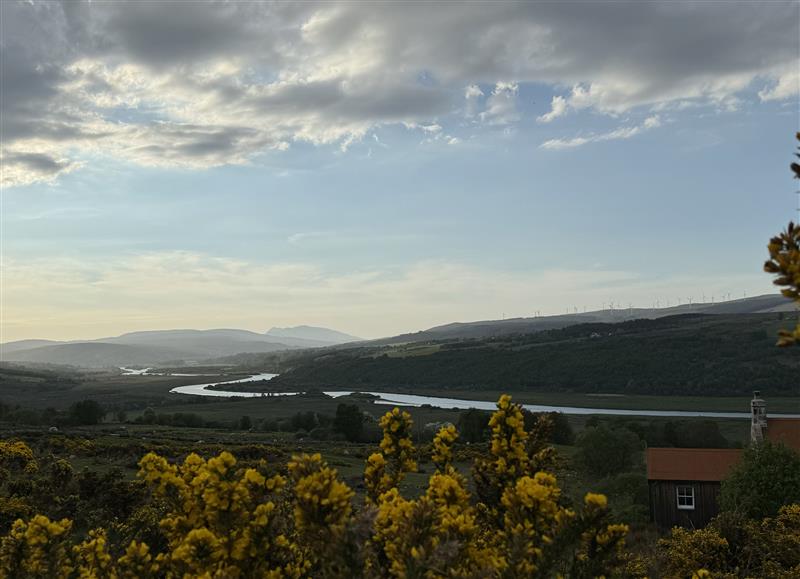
(758, 418)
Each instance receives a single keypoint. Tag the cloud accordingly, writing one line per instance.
(228, 81)
(473, 91)
(301, 237)
(433, 133)
(786, 87)
(501, 106)
(25, 168)
(558, 107)
(628, 132)
(472, 96)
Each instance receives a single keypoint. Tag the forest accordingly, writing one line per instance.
(682, 355)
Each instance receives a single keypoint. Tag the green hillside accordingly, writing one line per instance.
(689, 355)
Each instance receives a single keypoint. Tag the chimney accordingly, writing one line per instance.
(758, 418)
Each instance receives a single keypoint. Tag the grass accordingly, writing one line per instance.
(409, 351)
(780, 404)
(135, 393)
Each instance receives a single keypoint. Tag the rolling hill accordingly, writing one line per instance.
(162, 346)
(311, 334)
(488, 328)
(688, 354)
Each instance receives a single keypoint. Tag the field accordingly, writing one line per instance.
(142, 416)
(135, 394)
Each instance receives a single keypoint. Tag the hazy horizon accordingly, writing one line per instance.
(616, 306)
(385, 168)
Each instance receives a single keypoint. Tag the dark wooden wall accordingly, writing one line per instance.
(664, 509)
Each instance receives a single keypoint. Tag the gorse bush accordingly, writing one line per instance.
(220, 519)
(784, 263)
(734, 546)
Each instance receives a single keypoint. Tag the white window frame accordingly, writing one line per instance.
(684, 496)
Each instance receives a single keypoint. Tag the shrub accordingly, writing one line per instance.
(223, 519)
(86, 412)
(604, 451)
(349, 421)
(735, 546)
(767, 477)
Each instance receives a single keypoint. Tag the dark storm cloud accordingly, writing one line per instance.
(39, 163)
(170, 33)
(374, 102)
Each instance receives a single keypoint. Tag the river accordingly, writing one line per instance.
(389, 398)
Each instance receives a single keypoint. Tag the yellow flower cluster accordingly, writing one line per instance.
(532, 518)
(37, 548)
(433, 536)
(225, 521)
(376, 480)
(444, 533)
(443, 442)
(768, 547)
(448, 495)
(595, 501)
(508, 458)
(508, 439)
(388, 468)
(222, 519)
(322, 517)
(322, 502)
(137, 563)
(784, 262)
(688, 551)
(396, 444)
(93, 558)
(17, 455)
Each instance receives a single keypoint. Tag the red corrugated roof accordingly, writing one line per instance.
(785, 430)
(695, 464)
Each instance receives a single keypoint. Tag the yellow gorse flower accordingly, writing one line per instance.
(37, 548)
(322, 502)
(386, 469)
(508, 438)
(443, 442)
(595, 501)
(222, 518)
(226, 521)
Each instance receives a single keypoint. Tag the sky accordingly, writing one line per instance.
(381, 168)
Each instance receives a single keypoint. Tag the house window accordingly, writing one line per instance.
(685, 497)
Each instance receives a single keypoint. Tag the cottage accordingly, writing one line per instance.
(685, 482)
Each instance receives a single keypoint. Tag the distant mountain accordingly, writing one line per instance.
(96, 355)
(322, 335)
(9, 347)
(160, 346)
(489, 328)
(203, 343)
